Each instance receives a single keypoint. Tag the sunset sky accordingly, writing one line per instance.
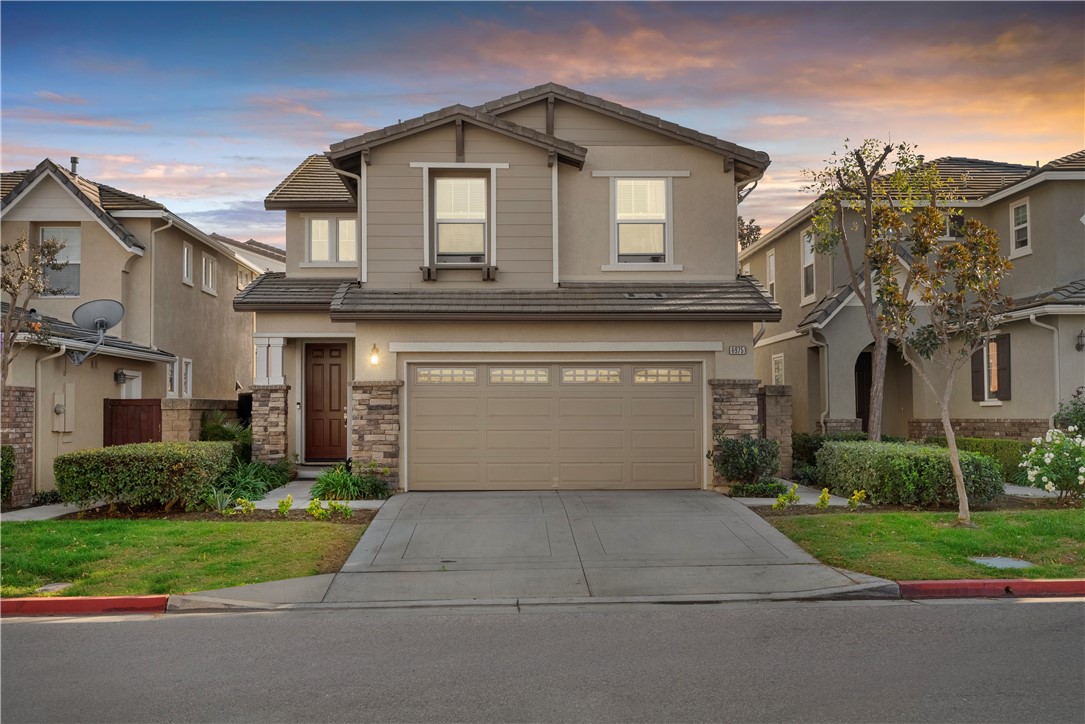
(207, 106)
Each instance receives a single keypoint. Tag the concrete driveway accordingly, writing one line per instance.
(561, 545)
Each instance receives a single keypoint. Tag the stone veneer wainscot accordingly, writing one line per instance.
(375, 434)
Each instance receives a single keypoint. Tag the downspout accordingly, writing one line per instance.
(760, 333)
(362, 262)
(1058, 381)
(37, 406)
(824, 377)
(150, 329)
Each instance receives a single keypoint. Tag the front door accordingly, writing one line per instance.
(325, 402)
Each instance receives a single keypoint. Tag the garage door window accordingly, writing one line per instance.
(662, 375)
(591, 375)
(446, 375)
(519, 376)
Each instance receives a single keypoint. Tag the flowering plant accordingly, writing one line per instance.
(1056, 463)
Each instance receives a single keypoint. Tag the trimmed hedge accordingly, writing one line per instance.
(805, 445)
(904, 474)
(7, 470)
(149, 473)
(1007, 453)
(746, 459)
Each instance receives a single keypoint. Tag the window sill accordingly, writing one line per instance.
(329, 264)
(807, 301)
(212, 292)
(991, 403)
(188, 282)
(1018, 253)
(641, 267)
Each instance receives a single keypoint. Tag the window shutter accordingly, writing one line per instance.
(1003, 342)
(977, 376)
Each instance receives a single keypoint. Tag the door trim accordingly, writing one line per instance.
(299, 402)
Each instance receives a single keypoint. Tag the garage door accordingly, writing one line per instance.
(564, 426)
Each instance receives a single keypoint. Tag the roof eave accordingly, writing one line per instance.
(751, 316)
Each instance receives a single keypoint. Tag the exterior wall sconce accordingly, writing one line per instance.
(1080, 341)
(119, 377)
(375, 356)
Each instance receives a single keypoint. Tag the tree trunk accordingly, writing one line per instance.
(964, 517)
(877, 386)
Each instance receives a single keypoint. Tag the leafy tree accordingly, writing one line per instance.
(22, 280)
(865, 195)
(748, 232)
(958, 284)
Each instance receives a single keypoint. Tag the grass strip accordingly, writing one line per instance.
(927, 546)
(140, 557)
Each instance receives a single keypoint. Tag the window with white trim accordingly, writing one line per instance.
(244, 277)
(991, 371)
(807, 267)
(63, 282)
(1020, 231)
(171, 378)
(209, 276)
(187, 263)
(186, 378)
(778, 369)
(770, 276)
(460, 218)
(642, 220)
(331, 240)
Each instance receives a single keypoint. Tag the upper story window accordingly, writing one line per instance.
(641, 220)
(244, 277)
(209, 277)
(331, 240)
(954, 227)
(807, 267)
(65, 282)
(770, 275)
(186, 263)
(460, 223)
(1020, 230)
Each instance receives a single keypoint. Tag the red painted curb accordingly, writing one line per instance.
(992, 588)
(82, 605)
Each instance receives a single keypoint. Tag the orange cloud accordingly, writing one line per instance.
(58, 98)
(34, 115)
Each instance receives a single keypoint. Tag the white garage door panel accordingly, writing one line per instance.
(518, 427)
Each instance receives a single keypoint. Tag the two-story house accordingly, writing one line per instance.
(536, 293)
(179, 337)
(822, 346)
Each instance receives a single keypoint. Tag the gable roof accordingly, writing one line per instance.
(312, 185)
(253, 246)
(1071, 293)
(976, 178)
(99, 199)
(77, 338)
(748, 162)
(1070, 162)
(826, 307)
(566, 151)
(277, 292)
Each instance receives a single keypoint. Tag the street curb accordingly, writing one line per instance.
(992, 588)
(82, 605)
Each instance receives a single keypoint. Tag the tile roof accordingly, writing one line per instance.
(275, 291)
(313, 184)
(755, 159)
(1071, 162)
(826, 306)
(1072, 293)
(978, 178)
(567, 150)
(63, 331)
(253, 246)
(742, 299)
(98, 198)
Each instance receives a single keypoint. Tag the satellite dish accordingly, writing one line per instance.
(96, 316)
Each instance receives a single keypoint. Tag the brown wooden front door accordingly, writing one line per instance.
(325, 402)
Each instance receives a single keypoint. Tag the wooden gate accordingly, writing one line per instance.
(128, 421)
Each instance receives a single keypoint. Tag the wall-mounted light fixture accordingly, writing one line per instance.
(1080, 341)
(120, 377)
(375, 355)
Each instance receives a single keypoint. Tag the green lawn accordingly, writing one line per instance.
(136, 557)
(918, 546)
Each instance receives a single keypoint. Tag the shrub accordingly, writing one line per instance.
(805, 446)
(1072, 412)
(317, 510)
(215, 426)
(1056, 462)
(283, 505)
(1007, 453)
(746, 459)
(786, 498)
(906, 474)
(823, 500)
(805, 474)
(760, 489)
(338, 483)
(149, 473)
(46, 497)
(7, 470)
(253, 480)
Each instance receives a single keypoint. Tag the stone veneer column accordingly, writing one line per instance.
(778, 422)
(18, 431)
(375, 432)
(734, 412)
(269, 409)
(182, 418)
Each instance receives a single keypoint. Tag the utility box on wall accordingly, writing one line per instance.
(64, 409)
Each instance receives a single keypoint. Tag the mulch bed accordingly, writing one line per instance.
(1008, 502)
(360, 517)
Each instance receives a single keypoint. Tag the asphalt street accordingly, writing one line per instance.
(978, 661)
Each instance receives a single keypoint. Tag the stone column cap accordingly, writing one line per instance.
(375, 384)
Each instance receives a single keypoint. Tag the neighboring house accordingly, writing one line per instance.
(822, 346)
(179, 337)
(536, 293)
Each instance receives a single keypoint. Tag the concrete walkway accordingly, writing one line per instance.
(300, 490)
(559, 546)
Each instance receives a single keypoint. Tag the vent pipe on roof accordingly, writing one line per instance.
(75, 163)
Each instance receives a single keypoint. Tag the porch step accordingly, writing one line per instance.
(310, 472)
